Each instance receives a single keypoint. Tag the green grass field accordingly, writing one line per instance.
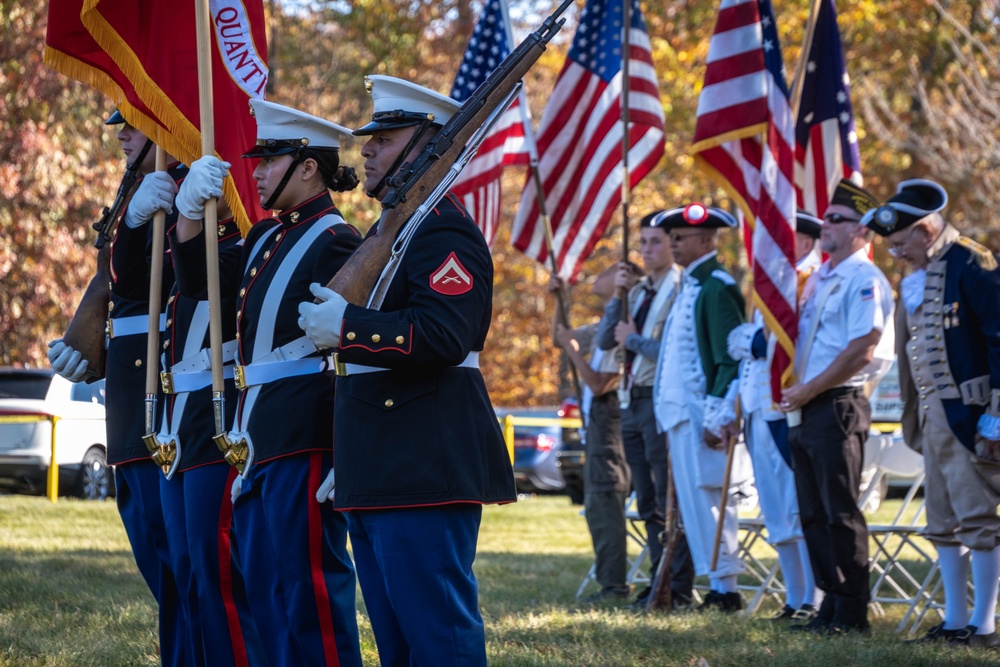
(70, 596)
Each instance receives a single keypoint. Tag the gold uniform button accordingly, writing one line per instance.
(277, 237)
(170, 300)
(166, 344)
(239, 313)
(376, 338)
(243, 290)
(111, 306)
(170, 321)
(350, 335)
(138, 363)
(389, 403)
(221, 230)
(267, 254)
(253, 272)
(399, 340)
(237, 335)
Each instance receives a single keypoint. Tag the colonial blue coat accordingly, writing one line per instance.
(423, 431)
(960, 329)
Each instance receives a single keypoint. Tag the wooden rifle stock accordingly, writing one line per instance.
(660, 589)
(415, 183)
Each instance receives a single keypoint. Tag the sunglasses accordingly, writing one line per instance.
(836, 218)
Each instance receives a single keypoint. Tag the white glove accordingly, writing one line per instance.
(325, 491)
(740, 340)
(66, 361)
(322, 321)
(720, 411)
(237, 489)
(155, 193)
(203, 182)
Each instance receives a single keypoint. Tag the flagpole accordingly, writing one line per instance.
(157, 449)
(623, 387)
(205, 104)
(796, 96)
(529, 139)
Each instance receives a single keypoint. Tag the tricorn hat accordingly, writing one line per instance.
(854, 197)
(913, 201)
(808, 224)
(694, 216)
(282, 130)
(399, 103)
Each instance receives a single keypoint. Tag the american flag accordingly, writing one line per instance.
(580, 137)
(826, 142)
(479, 184)
(744, 134)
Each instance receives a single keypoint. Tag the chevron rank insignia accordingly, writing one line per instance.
(451, 278)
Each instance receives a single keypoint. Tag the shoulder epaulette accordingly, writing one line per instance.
(984, 259)
(721, 275)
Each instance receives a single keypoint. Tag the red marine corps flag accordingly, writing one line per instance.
(143, 55)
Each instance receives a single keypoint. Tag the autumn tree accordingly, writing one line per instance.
(57, 169)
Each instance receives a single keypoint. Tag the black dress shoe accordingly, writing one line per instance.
(938, 633)
(967, 637)
(725, 602)
(786, 614)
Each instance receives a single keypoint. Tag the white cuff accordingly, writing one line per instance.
(718, 413)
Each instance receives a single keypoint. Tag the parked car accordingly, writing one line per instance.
(29, 399)
(538, 439)
(571, 457)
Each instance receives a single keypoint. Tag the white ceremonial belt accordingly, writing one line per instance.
(179, 383)
(202, 359)
(130, 326)
(342, 369)
(263, 373)
(298, 348)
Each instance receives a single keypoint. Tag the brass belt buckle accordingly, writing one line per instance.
(167, 382)
(109, 328)
(338, 367)
(240, 377)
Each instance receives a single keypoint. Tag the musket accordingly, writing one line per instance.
(660, 589)
(111, 214)
(419, 185)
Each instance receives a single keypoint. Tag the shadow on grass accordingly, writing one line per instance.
(533, 619)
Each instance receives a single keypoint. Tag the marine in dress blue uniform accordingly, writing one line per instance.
(419, 448)
(291, 550)
(137, 478)
(195, 491)
(948, 351)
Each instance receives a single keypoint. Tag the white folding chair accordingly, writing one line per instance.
(637, 535)
(895, 544)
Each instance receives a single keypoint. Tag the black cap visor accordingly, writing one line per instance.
(390, 120)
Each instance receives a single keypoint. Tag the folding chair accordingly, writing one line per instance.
(896, 582)
(636, 534)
